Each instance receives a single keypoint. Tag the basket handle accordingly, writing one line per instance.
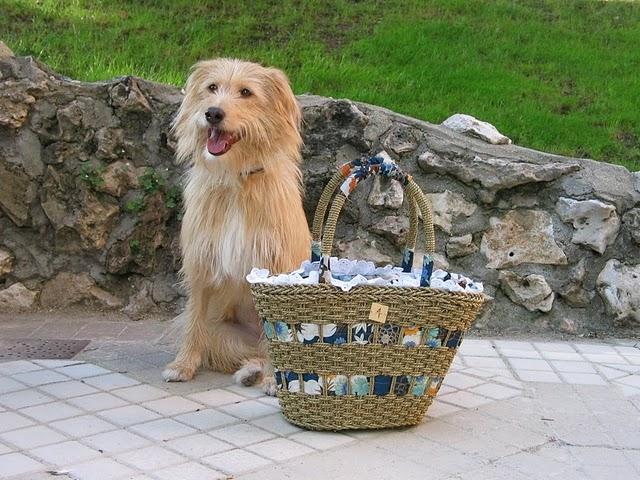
(350, 175)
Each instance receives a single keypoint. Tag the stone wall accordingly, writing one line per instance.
(90, 205)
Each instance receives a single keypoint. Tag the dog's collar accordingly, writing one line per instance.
(251, 172)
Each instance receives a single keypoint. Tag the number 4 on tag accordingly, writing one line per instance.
(378, 312)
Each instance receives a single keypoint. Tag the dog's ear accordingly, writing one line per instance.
(181, 127)
(284, 100)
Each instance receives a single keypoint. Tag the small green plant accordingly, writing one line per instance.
(173, 198)
(135, 205)
(92, 175)
(150, 180)
(136, 248)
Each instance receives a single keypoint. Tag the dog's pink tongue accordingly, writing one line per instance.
(218, 142)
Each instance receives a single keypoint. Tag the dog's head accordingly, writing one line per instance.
(233, 109)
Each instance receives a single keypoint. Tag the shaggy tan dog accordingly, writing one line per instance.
(239, 126)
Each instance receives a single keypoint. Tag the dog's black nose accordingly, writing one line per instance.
(214, 115)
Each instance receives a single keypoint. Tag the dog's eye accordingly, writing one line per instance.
(245, 92)
(213, 87)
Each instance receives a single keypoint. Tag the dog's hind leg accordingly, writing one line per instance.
(195, 338)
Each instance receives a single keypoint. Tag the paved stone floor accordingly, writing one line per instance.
(509, 409)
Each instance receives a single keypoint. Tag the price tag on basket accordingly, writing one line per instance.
(378, 313)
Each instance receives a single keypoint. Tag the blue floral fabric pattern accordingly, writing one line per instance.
(381, 384)
(293, 381)
(279, 378)
(389, 334)
(334, 334)
(360, 385)
(402, 385)
(283, 332)
(419, 386)
(433, 338)
(362, 333)
(411, 336)
(307, 333)
(313, 384)
(269, 330)
(337, 385)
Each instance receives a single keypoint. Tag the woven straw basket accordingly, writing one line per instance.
(373, 356)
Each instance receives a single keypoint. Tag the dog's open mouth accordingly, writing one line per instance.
(219, 142)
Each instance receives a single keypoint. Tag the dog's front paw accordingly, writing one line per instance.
(177, 373)
(249, 374)
(269, 386)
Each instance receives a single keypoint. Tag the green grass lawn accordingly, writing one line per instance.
(556, 75)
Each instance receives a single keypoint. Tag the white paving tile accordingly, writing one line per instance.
(248, 409)
(439, 409)
(172, 405)
(576, 367)
(322, 440)
(189, 471)
(56, 363)
(5, 449)
(242, 434)
(51, 411)
(247, 392)
(583, 378)
(151, 458)
(39, 377)
(554, 347)
(64, 390)
(13, 421)
(24, 398)
(632, 359)
(111, 381)
(464, 399)
(140, 393)
(461, 381)
(484, 362)
(604, 357)
(236, 461)
(594, 348)
(568, 356)
(276, 424)
(129, 415)
(198, 446)
(31, 437)
(100, 469)
(631, 380)
(7, 385)
(163, 429)
(611, 373)
(279, 449)
(628, 350)
(116, 441)
(206, 419)
(83, 426)
(82, 370)
(97, 401)
(513, 353)
(537, 376)
(217, 397)
(17, 464)
(65, 453)
(18, 366)
(530, 364)
(514, 345)
(494, 391)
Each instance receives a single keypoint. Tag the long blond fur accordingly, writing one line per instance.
(243, 209)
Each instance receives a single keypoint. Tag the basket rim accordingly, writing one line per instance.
(325, 287)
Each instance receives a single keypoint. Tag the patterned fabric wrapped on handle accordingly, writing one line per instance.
(345, 180)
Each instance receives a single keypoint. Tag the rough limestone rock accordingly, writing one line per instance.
(386, 193)
(6, 262)
(573, 290)
(618, 285)
(88, 183)
(596, 223)
(521, 236)
(392, 228)
(448, 207)
(468, 125)
(5, 52)
(531, 291)
(632, 221)
(461, 246)
(17, 297)
(495, 174)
